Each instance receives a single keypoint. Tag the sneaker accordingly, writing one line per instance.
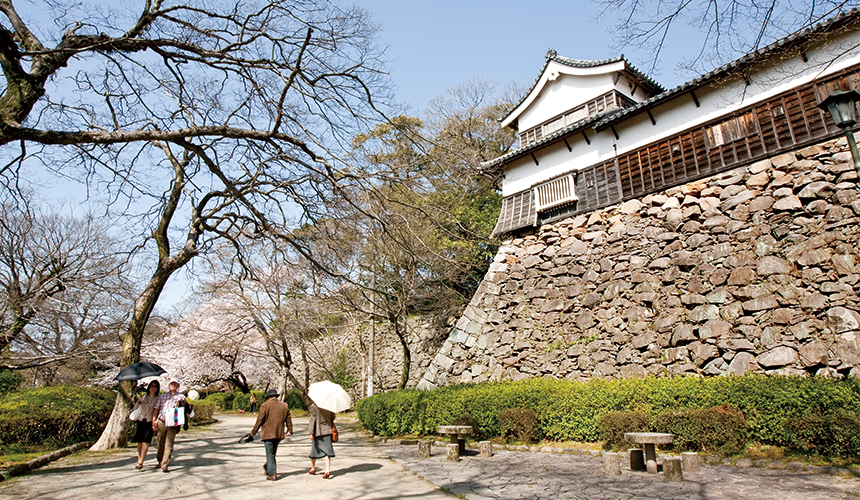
(165, 469)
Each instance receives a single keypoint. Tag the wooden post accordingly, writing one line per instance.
(690, 461)
(637, 459)
(424, 448)
(611, 466)
(486, 448)
(452, 452)
(672, 469)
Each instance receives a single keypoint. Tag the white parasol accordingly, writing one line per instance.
(329, 396)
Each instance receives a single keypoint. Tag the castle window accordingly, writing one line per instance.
(730, 130)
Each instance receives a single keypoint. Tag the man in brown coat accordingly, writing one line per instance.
(273, 417)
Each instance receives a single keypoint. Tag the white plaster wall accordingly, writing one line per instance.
(566, 92)
(674, 116)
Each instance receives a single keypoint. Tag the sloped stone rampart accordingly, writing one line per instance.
(752, 270)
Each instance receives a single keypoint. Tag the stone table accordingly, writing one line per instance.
(458, 434)
(648, 440)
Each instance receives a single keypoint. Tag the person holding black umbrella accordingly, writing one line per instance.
(273, 417)
(144, 407)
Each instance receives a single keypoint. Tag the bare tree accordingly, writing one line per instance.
(202, 119)
(62, 283)
(726, 30)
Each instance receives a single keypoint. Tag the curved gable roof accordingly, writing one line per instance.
(614, 64)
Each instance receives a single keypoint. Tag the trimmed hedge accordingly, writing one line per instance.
(722, 429)
(203, 410)
(569, 410)
(224, 400)
(56, 414)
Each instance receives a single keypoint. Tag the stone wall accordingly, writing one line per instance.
(753, 270)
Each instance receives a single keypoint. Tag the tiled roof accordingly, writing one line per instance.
(558, 134)
(611, 117)
(738, 64)
(552, 55)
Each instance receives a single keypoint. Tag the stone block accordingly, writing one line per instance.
(424, 449)
(672, 470)
(452, 452)
(486, 449)
(637, 459)
(611, 464)
(691, 462)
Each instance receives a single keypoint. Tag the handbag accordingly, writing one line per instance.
(334, 436)
(135, 414)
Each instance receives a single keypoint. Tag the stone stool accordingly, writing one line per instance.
(690, 461)
(424, 448)
(452, 452)
(611, 464)
(486, 448)
(637, 459)
(672, 469)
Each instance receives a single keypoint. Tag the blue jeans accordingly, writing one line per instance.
(271, 451)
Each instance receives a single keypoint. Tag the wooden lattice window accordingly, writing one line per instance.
(730, 130)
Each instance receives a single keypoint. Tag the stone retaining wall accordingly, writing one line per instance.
(753, 270)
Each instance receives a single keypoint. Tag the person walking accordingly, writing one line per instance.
(143, 433)
(166, 433)
(253, 401)
(274, 416)
(320, 433)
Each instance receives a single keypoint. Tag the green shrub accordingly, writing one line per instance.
(468, 419)
(722, 429)
(203, 410)
(293, 397)
(570, 411)
(614, 425)
(10, 380)
(519, 424)
(56, 414)
(224, 400)
(243, 401)
(826, 435)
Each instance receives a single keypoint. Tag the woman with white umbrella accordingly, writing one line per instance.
(328, 398)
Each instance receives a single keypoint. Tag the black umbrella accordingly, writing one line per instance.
(140, 370)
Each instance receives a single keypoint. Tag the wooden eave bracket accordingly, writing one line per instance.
(695, 99)
(587, 140)
(569, 149)
(614, 132)
(651, 116)
(535, 159)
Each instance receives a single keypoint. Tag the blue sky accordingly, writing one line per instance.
(437, 44)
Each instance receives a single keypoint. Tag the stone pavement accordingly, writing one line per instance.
(210, 464)
(534, 475)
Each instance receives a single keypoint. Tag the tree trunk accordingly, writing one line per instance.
(407, 354)
(115, 434)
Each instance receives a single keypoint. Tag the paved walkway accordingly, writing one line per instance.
(210, 464)
(529, 475)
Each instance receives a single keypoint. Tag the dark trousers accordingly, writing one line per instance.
(271, 450)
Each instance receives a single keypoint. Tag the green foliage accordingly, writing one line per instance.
(722, 429)
(519, 424)
(825, 435)
(612, 426)
(293, 398)
(242, 401)
(224, 400)
(571, 411)
(56, 414)
(203, 410)
(339, 374)
(10, 380)
(468, 419)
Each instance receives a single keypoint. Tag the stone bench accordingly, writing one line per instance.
(647, 440)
